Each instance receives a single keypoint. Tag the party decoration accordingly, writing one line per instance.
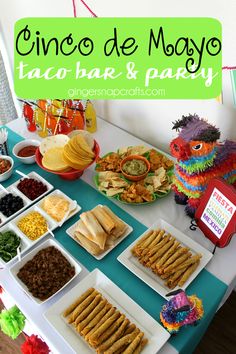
(34, 345)
(181, 310)
(199, 159)
(12, 322)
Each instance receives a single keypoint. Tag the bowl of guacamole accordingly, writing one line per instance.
(135, 167)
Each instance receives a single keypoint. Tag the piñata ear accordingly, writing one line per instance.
(174, 292)
(181, 123)
(208, 135)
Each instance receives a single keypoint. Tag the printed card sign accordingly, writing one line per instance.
(218, 213)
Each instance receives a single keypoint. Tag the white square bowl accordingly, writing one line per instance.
(50, 242)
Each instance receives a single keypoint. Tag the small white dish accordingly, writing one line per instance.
(157, 336)
(50, 242)
(23, 245)
(70, 231)
(16, 193)
(151, 279)
(50, 223)
(4, 176)
(37, 177)
(27, 160)
(74, 208)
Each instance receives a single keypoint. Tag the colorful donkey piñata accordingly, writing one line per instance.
(199, 159)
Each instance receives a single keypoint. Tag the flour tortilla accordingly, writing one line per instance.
(50, 142)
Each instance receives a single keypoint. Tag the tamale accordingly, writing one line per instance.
(120, 226)
(98, 234)
(90, 246)
(104, 219)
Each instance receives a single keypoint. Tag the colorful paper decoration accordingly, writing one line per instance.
(34, 345)
(200, 158)
(12, 322)
(181, 310)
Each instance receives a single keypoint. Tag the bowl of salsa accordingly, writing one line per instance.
(135, 167)
(6, 167)
(25, 150)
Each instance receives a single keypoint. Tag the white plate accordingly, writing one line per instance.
(27, 202)
(51, 242)
(153, 280)
(156, 334)
(128, 231)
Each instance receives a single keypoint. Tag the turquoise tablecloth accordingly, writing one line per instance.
(209, 288)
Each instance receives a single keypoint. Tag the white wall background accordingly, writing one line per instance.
(150, 120)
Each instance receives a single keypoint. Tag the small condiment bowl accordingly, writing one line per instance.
(27, 160)
(132, 177)
(4, 176)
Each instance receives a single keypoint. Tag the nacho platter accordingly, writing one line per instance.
(110, 181)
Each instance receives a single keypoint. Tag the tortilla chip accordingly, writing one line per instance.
(138, 150)
(113, 191)
(106, 175)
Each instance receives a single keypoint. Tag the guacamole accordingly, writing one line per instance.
(135, 167)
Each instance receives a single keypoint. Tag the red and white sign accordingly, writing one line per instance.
(216, 215)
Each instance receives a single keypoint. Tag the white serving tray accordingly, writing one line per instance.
(157, 336)
(27, 202)
(150, 278)
(50, 242)
(70, 232)
(52, 224)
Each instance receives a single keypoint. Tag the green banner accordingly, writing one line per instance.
(118, 58)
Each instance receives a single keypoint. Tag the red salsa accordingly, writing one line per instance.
(27, 151)
(5, 165)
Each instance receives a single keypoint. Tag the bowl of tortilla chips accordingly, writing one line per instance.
(67, 157)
